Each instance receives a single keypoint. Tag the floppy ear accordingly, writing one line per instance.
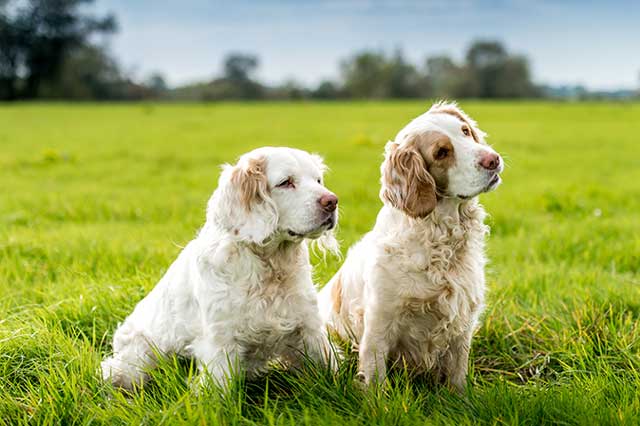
(242, 204)
(406, 183)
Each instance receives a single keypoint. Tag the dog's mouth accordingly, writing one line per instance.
(493, 182)
(491, 185)
(330, 223)
(327, 225)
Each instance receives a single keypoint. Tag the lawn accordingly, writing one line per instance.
(97, 200)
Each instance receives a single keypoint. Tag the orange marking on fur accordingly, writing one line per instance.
(336, 293)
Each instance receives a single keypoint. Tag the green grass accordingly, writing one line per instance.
(96, 201)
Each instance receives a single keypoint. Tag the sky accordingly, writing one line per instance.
(592, 43)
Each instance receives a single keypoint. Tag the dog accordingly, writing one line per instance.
(240, 294)
(413, 288)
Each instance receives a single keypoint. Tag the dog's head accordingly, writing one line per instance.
(442, 153)
(275, 192)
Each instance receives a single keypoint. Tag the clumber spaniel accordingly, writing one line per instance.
(413, 287)
(240, 294)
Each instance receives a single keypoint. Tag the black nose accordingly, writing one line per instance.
(328, 202)
(490, 161)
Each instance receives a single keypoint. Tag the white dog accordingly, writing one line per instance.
(413, 287)
(240, 294)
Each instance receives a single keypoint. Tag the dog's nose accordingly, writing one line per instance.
(490, 161)
(329, 202)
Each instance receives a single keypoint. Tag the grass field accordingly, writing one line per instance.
(96, 201)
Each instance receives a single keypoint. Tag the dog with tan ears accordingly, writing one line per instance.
(413, 288)
(240, 294)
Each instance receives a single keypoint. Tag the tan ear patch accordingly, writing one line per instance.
(406, 183)
(336, 293)
(251, 182)
(430, 142)
(440, 156)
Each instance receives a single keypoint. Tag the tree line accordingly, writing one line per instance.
(489, 71)
(48, 51)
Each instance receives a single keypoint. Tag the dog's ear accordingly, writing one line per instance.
(242, 204)
(406, 183)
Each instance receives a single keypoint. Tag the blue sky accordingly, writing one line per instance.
(568, 42)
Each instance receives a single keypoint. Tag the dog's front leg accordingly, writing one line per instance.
(456, 362)
(374, 347)
(216, 362)
(318, 347)
(133, 354)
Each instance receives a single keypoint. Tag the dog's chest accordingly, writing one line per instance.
(429, 324)
(271, 320)
(438, 293)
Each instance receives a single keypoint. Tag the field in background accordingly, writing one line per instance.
(96, 201)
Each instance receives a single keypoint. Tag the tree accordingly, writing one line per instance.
(514, 80)
(484, 54)
(86, 73)
(36, 37)
(485, 60)
(290, 89)
(371, 74)
(327, 90)
(237, 82)
(364, 75)
(494, 73)
(403, 79)
(156, 83)
(239, 67)
(11, 39)
(445, 77)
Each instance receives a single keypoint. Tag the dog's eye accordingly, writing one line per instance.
(442, 153)
(287, 183)
(319, 181)
(466, 131)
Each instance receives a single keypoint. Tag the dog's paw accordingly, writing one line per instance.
(360, 381)
(121, 374)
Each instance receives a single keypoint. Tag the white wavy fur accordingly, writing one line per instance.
(413, 288)
(240, 294)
